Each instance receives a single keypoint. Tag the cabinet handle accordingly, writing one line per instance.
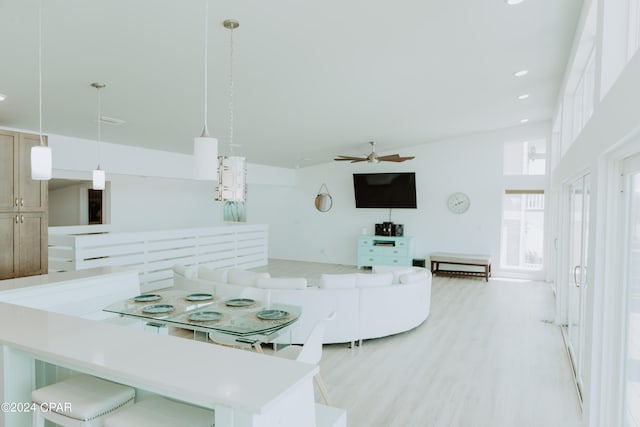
(16, 201)
(21, 201)
(22, 219)
(16, 219)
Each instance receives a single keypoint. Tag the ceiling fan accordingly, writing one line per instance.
(374, 158)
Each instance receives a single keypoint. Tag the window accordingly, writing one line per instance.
(522, 242)
(525, 157)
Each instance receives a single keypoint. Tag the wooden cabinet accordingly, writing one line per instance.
(23, 209)
(384, 250)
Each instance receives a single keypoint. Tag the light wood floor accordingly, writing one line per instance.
(487, 356)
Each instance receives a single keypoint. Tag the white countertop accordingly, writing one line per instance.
(201, 373)
(56, 277)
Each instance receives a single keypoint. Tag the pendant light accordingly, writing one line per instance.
(232, 170)
(205, 148)
(98, 174)
(41, 164)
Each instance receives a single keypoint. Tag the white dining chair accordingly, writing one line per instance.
(310, 352)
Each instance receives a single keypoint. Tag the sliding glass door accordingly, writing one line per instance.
(576, 282)
(631, 358)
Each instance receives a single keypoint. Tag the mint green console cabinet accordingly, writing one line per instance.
(384, 250)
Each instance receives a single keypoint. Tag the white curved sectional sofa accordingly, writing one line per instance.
(386, 301)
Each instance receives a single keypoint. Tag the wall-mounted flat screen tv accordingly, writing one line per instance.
(385, 190)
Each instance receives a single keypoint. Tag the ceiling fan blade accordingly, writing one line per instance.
(356, 160)
(390, 157)
(395, 159)
(348, 158)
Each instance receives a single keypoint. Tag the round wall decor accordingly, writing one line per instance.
(458, 203)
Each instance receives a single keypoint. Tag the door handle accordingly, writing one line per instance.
(575, 277)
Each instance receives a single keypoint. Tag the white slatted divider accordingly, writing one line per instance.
(153, 254)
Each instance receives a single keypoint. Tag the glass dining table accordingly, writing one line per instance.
(242, 320)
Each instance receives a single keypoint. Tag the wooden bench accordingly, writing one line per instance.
(455, 259)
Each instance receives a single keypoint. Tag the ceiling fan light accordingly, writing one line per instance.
(205, 156)
(41, 164)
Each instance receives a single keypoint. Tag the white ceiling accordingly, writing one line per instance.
(313, 79)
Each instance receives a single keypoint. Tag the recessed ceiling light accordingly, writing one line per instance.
(513, 2)
(523, 96)
(2, 97)
(521, 73)
(524, 120)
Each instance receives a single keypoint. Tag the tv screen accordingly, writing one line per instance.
(385, 190)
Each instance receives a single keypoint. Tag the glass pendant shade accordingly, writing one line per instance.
(205, 156)
(41, 163)
(232, 179)
(98, 179)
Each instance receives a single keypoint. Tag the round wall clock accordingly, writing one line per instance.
(458, 203)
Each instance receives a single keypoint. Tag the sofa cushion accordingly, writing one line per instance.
(396, 270)
(337, 281)
(374, 279)
(413, 277)
(188, 272)
(244, 277)
(208, 273)
(282, 283)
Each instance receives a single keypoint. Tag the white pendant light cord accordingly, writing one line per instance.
(40, 70)
(205, 131)
(99, 128)
(231, 91)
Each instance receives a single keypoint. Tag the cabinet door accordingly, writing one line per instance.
(8, 245)
(32, 244)
(32, 194)
(8, 171)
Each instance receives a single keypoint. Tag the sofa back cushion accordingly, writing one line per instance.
(244, 277)
(364, 280)
(413, 277)
(337, 281)
(212, 274)
(396, 270)
(282, 283)
(188, 272)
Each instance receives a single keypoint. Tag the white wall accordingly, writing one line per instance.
(471, 164)
(64, 206)
(154, 190)
(151, 189)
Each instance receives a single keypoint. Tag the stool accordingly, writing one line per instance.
(80, 401)
(160, 412)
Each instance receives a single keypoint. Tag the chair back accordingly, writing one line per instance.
(254, 293)
(312, 348)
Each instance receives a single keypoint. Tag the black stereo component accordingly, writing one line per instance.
(389, 229)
